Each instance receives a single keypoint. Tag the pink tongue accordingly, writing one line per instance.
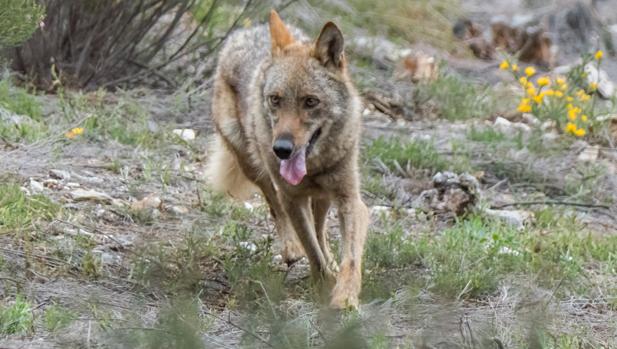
(294, 169)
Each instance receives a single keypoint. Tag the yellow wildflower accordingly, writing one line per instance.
(569, 98)
(530, 71)
(524, 106)
(523, 80)
(558, 94)
(544, 81)
(569, 106)
(531, 91)
(504, 65)
(550, 92)
(538, 99)
(584, 118)
(514, 67)
(573, 113)
(560, 81)
(580, 132)
(584, 97)
(598, 56)
(593, 86)
(74, 132)
(570, 127)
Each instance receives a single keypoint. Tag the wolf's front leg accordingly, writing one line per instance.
(354, 224)
(299, 212)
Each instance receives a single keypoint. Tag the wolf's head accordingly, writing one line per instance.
(305, 92)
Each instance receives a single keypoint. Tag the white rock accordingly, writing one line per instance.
(60, 174)
(517, 218)
(90, 195)
(186, 134)
(550, 138)
(179, 210)
(530, 119)
(247, 245)
(589, 154)
(36, 187)
(508, 128)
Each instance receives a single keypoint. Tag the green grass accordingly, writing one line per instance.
(57, 317)
(486, 135)
(418, 154)
(395, 152)
(457, 98)
(470, 259)
(28, 125)
(16, 317)
(399, 20)
(19, 211)
(19, 101)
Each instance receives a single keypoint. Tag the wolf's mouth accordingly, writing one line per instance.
(312, 141)
(293, 169)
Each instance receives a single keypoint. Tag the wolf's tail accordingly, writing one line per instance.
(224, 174)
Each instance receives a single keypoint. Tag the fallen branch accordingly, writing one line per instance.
(561, 203)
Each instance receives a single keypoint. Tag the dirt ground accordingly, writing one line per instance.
(142, 254)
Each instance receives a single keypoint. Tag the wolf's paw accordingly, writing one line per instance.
(291, 251)
(347, 288)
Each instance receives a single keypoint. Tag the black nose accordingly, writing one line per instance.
(283, 147)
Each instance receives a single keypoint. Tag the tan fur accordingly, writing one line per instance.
(255, 66)
(224, 174)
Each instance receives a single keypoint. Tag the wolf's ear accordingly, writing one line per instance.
(329, 46)
(279, 34)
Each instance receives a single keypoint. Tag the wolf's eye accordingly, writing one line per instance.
(274, 100)
(311, 102)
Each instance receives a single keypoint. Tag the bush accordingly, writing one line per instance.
(18, 20)
(90, 43)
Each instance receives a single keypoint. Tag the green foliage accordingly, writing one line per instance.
(19, 211)
(470, 259)
(179, 325)
(419, 154)
(487, 135)
(57, 317)
(18, 100)
(16, 318)
(19, 19)
(456, 98)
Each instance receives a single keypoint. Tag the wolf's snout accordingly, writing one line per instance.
(283, 147)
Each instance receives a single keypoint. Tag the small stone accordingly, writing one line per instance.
(36, 187)
(90, 195)
(517, 218)
(247, 245)
(589, 154)
(52, 184)
(73, 185)
(505, 126)
(149, 202)
(179, 210)
(186, 134)
(549, 138)
(60, 174)
(530, 119)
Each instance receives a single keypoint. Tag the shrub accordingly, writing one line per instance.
(18, 20)
(88, 43)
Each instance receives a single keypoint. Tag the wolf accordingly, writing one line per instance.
(288, 124)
